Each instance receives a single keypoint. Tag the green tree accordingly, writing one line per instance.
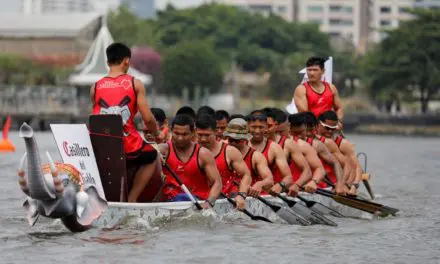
(408, 60)
(190, 65)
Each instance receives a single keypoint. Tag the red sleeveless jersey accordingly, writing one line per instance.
(296, 172)
(338, 141)
(189, 172)
(282, 141)
(319, 103)
(328, 169)
(277, 177)
(226, 173)
(254, 175)
(116, 95)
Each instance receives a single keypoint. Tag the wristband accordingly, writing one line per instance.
(356, 185)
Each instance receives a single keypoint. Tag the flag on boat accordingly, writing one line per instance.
(328, 77)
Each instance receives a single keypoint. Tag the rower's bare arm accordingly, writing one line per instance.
(260, 163)
(144, 108)
(343, 161)
(327, 157)
(300, 98)
(348, 150)
(281, 163)
(239, 166)
(318, 171)
(337, 104)
(300, 161)
(210, 168)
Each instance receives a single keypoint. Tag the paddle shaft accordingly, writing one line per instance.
(184, 188)
(246, 212)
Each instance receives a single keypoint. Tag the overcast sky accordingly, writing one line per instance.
(10, 5)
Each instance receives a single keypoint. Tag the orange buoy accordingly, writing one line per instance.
(5, 144)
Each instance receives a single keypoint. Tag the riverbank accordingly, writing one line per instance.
(403, 130)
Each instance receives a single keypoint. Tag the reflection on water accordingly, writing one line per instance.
(404, 175)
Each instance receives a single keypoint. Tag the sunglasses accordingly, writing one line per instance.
(327, 127)
(233, 140)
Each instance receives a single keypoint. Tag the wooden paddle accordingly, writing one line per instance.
(246, 212)
(383, 208)
(363, 205)
(284, 212)
(183, 187)
(310, 215)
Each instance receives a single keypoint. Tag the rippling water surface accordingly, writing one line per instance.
(405, 175)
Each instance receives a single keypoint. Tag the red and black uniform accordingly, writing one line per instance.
(328, 168)
(189, 173)
(117, 95)
(338, 140)
(319, 103)
(227, 174)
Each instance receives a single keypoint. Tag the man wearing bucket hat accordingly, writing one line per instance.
(238, 136)
(228, 159)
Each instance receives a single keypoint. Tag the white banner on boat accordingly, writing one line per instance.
(75, 147)
(327, 77)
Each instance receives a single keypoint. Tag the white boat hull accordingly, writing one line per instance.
(153, 212)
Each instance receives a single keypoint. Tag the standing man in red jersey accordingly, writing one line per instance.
(228, 159)
(315, 95)
(120, 93)
(194, 164)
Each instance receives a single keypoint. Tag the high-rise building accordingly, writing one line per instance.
(387, 14)
(283, 8)
(56, 6)
(141, 8)
(427, 3)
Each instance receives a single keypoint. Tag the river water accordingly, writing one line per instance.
(405, 176)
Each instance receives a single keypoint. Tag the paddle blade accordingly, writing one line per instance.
(311, 216)
(368, 187)
(259, 218)
(291, 217)
(6, 127)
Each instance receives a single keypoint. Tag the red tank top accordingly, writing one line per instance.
(282, 141)
(338, 140)
(319, 103)
(277, 177)
(328, 169)
(226, 173)
(189, 172)
(296, 172)
(116, 95)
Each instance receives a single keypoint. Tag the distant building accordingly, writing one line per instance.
(283, 8)
(141, 8)
(426, 3)
(56, 6)
(387, 14)
(51, 38)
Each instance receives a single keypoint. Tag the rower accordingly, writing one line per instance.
(315, 95)
(228, 159)
(162, 121)
(297, 131)
(282, 122)
(331, 164)
(194, 164)
(237, 134)
(121, 93)
(273, 153)
(221, 117)
(299, 167)
(327, 126)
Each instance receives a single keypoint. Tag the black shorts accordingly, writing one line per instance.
(145, 155)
